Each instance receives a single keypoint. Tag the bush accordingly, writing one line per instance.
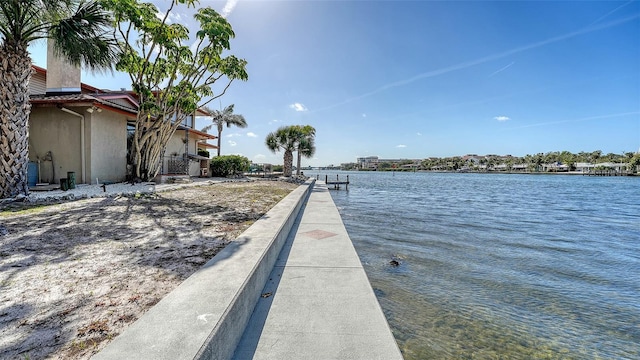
(229, 165)
(277, 168)
(204, 153)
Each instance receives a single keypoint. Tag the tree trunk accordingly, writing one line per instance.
(288, 162)
(149, 142)
(299, 160)
(15, 73)
(219, 137)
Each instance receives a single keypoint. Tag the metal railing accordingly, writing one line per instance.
(178, 165)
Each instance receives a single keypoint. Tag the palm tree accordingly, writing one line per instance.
(285, 138)
(80, 33)
(306, 143)
(224, 117)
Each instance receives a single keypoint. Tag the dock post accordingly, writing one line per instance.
(346, 186)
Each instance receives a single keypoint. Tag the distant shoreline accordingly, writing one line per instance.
(572, 173)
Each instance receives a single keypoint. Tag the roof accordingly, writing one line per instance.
(197, 132)
(104, 101)
(197, 157)
(207, 145)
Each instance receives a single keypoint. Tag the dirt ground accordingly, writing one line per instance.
(75, 275)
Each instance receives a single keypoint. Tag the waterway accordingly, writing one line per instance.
(499, 266)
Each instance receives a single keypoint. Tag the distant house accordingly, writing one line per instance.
(555, 167)
(519, 167)
(586, 168)
(75, 127)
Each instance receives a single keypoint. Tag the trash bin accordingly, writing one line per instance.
(64, 185)
(71, 180)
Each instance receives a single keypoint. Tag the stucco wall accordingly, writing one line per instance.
(175, 144)
(51, 129)
(107, 146)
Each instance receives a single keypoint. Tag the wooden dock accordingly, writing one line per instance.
(336, 184)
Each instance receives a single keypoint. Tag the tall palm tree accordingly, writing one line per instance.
(80, 32)
(306, 143)
(286, 138)
(220, 118)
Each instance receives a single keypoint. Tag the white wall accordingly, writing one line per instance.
(108, 146)
(51, 129)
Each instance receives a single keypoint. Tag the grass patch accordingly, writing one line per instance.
(23, 209)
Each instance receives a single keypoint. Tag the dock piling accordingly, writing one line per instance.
(336, 184)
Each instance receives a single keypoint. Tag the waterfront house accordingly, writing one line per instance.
(519, 167)
(587, 168)
(555, 167)
(79, 128)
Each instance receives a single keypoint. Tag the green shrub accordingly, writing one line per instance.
(228, 165)
(277, 168)
(204, 153)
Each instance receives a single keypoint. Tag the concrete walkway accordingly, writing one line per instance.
(318, 303)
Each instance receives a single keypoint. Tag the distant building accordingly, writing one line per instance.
(373, 163)
(369, 162)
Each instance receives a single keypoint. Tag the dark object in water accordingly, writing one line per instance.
(394, 263)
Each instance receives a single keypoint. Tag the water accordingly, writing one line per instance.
(496, 266)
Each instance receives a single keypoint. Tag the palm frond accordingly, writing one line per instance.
(84, 38)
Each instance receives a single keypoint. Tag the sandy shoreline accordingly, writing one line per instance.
(74, 275)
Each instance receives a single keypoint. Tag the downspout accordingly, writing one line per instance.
(82, 155)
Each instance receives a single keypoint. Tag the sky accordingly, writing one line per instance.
(418, 79)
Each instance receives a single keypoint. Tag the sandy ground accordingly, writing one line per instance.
(75, 275)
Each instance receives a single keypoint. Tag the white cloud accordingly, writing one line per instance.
(260, 156)
(274, 121)
(233, 135)
(298, 107)
(250, 134)
(501, 118)
(228, 8)
(232, 143)
(419, 134)
(401, 146)
(364, 115)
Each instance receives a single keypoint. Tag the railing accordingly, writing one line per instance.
(177, 165)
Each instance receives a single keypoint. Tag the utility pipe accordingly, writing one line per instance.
(82, 155)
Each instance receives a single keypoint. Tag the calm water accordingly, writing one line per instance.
(501, 266)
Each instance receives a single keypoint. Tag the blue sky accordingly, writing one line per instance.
(414, 79)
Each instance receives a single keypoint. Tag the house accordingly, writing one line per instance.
(555, 167)
(81, 129)
(584, 167)
(587, 168)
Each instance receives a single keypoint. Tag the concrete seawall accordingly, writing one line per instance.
(241, 300)
(206, 315)
(318, 303)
